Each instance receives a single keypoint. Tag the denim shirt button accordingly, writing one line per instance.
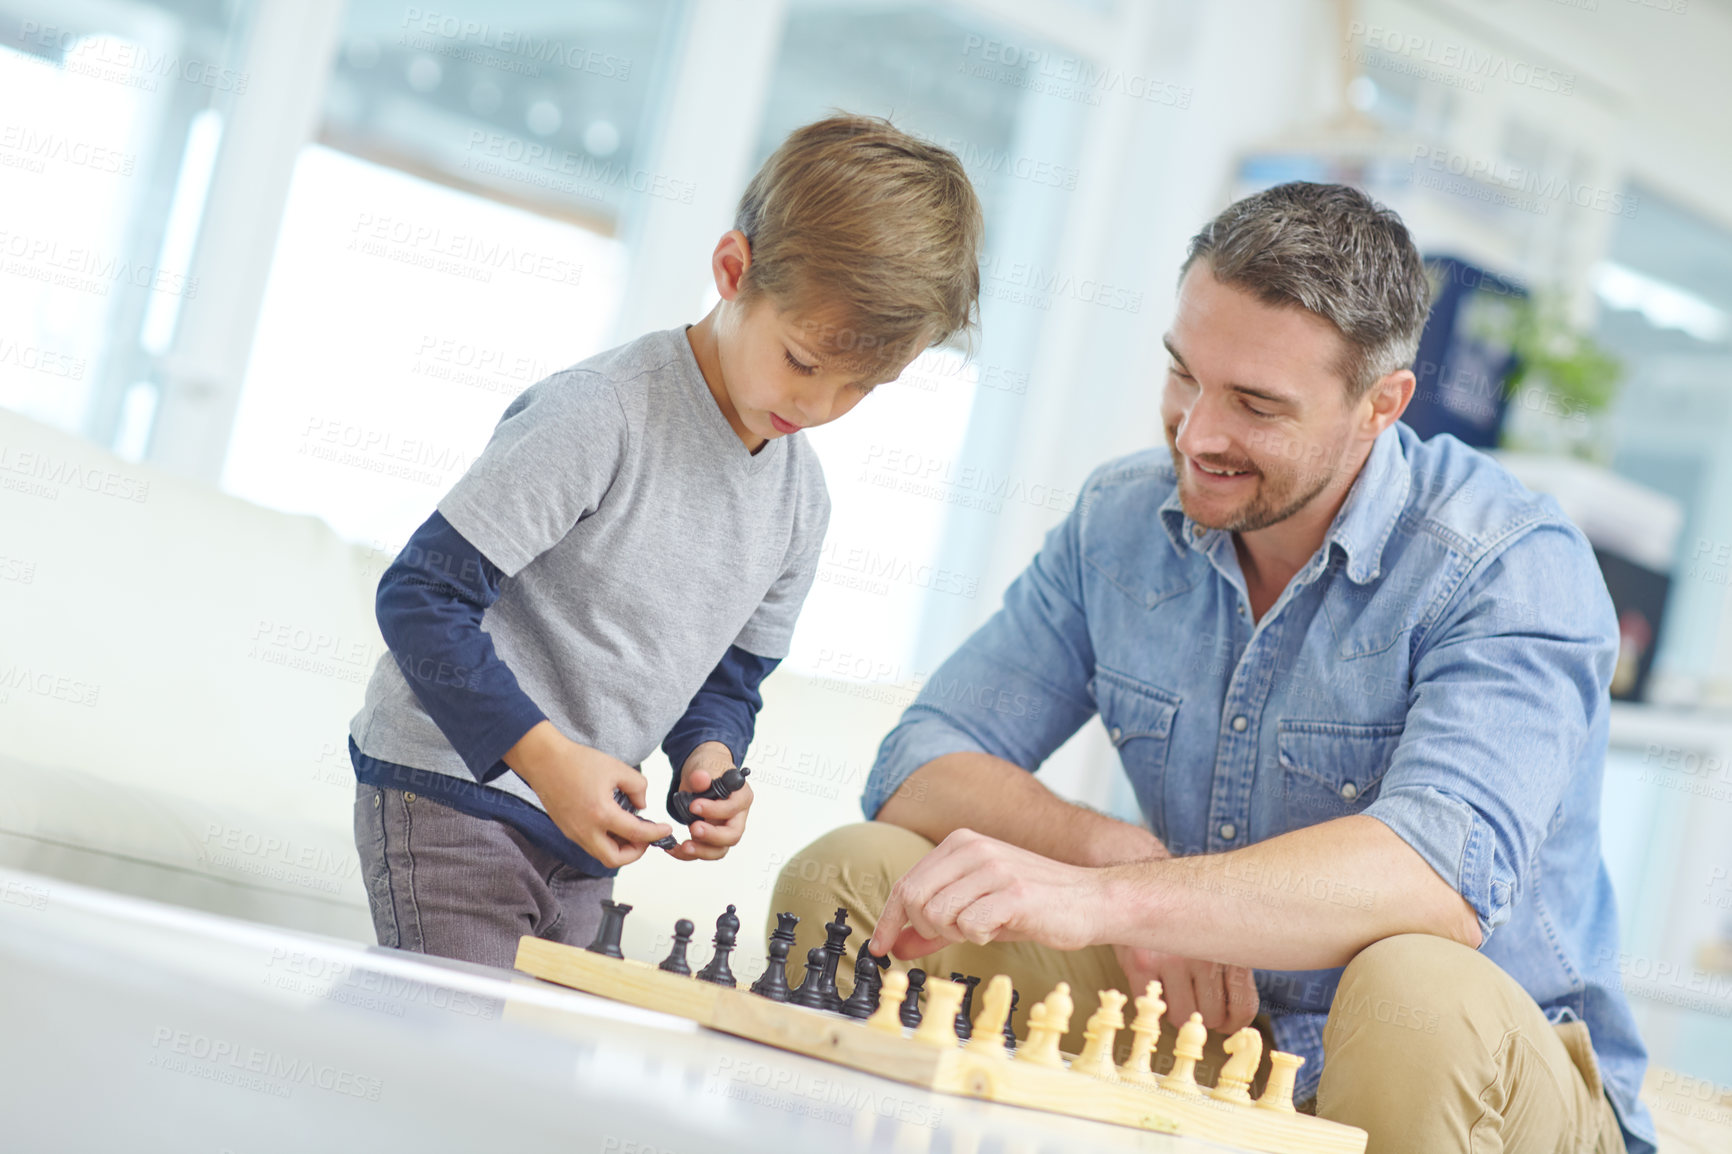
(1227, 831)
(1239, 724)
(1197, 530)
(1115, 733)
(1349, 791)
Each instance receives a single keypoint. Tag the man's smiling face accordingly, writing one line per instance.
(1255, 406)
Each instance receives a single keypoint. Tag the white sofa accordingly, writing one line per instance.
(177, 672)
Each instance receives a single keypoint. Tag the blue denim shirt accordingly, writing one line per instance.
(1442, 663)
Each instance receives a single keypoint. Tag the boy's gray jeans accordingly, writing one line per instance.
(445, 883)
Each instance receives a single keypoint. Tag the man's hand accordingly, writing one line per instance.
(1226, 996)
(977, 889)
(576, 783)
(723, 822)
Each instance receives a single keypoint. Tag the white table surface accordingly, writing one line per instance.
(126, 1025)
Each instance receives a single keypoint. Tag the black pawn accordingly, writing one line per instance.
(607, 934)
(773, 983)
(911, 1000)
(965, 1013)
(864, 1000)
(810, 991)
(727, 932)
(675, 963)
(1010, 1034)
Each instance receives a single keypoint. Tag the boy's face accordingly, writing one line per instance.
(779, 379)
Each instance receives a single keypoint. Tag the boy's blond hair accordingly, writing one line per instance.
(869, 235)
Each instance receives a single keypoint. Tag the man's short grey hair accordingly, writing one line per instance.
(1333, 251)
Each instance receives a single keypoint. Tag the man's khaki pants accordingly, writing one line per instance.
(1430, 1046)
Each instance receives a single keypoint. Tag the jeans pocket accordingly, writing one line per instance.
(370, 844)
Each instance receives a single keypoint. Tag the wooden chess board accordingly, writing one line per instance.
(946, 1067)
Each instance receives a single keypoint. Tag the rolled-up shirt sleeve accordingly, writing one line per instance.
(1016, 689)
(1509, 689)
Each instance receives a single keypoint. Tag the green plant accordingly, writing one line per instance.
(1571, 364)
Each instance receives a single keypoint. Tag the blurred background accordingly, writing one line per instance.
(270, 270)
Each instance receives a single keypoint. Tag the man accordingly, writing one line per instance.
(1359, 685)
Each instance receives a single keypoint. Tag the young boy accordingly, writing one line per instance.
(637, 539)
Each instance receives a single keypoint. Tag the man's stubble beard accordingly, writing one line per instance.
(1260, 513)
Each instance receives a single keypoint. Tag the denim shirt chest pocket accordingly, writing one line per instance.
(1139, 721)
(1332, 769)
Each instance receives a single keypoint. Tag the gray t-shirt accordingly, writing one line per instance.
(639, 538)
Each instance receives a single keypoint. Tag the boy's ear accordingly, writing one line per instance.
(733, 256)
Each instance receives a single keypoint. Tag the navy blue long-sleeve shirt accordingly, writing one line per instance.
(430, 604)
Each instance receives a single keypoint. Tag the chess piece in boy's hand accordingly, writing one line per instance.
(576, 786)
(717, 823)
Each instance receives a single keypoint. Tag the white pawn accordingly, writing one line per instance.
(886, 1016)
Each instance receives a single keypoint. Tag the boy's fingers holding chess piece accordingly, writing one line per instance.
(576, 784)
(717, 825)
(1226, 996)
(978, 889)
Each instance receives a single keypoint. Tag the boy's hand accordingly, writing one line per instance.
(576, 784)
(723, 822)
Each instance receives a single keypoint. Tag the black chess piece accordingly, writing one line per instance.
(835, 950)
(810, 991)
(965, 1012)
(867, 983)
(910, 1013)
(773, 982)
(727, 933)
(607, 934)
(675, 963)
(722, 788)
(1010, 1034)
(667, 842)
